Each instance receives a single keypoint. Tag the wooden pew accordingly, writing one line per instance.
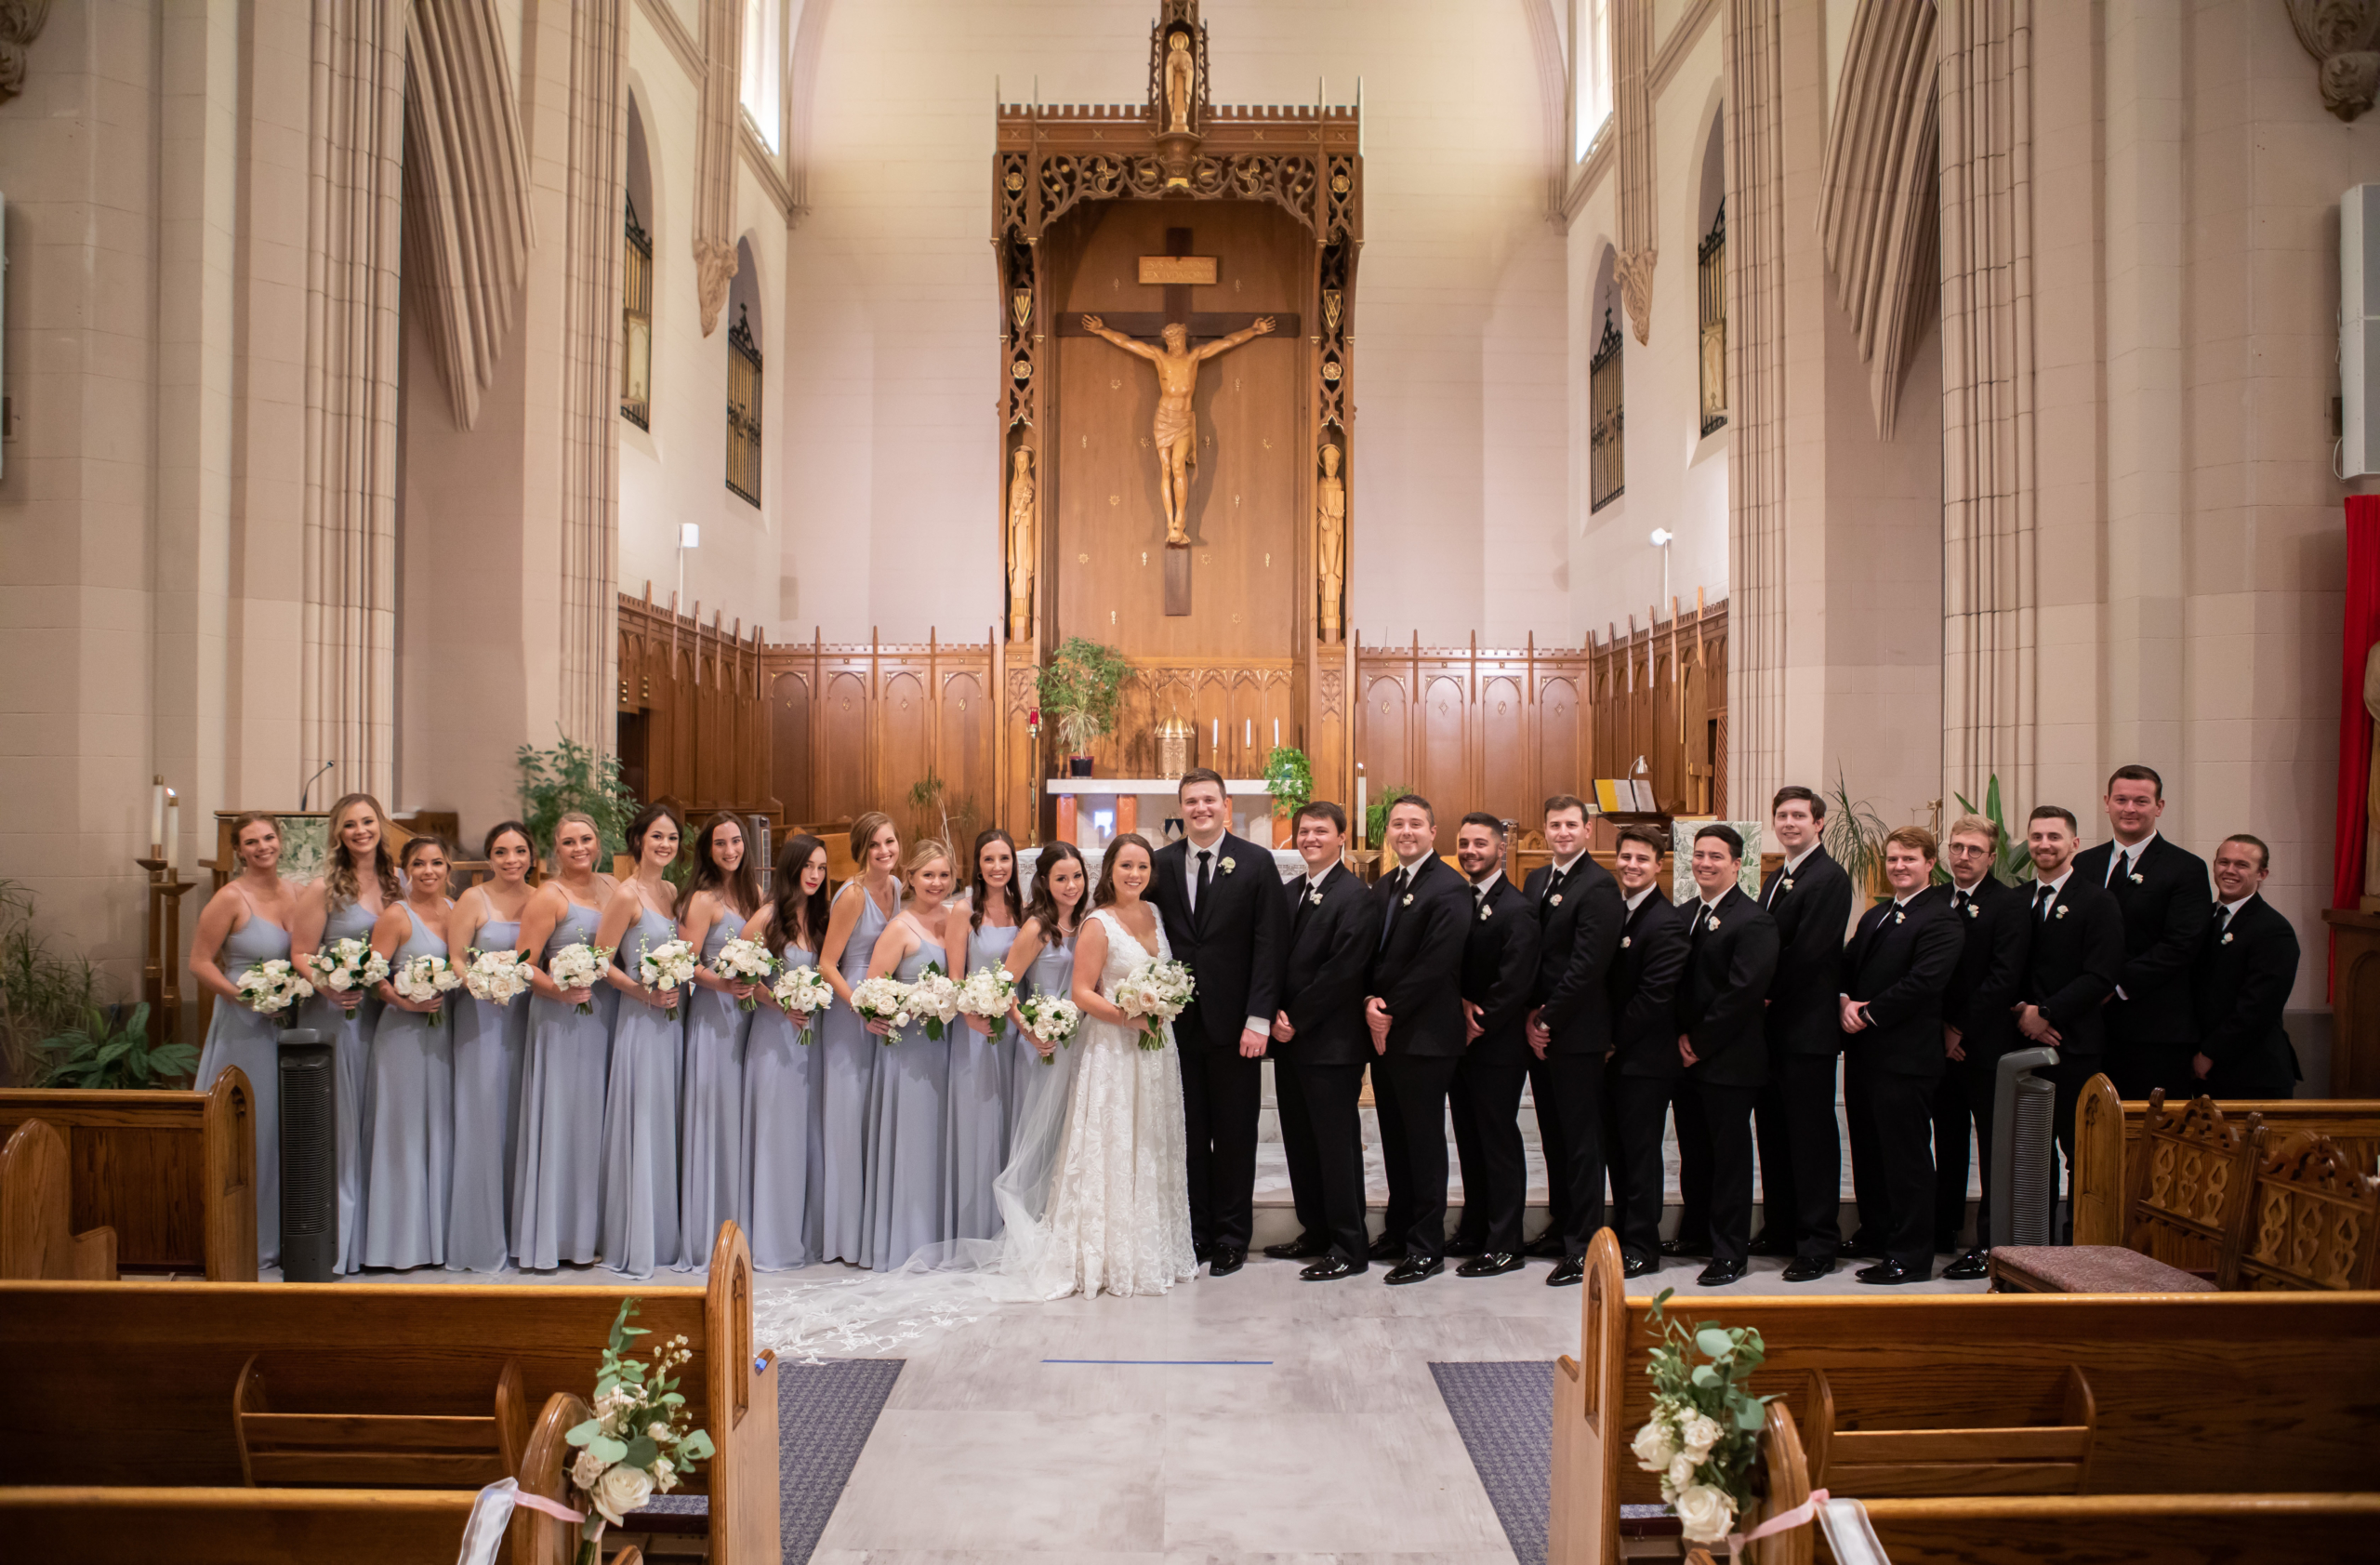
(2106, 1138)
(2190, 1394)
(173, 1173)
(35, 1239)
(136, 1379)
(2306, 1220)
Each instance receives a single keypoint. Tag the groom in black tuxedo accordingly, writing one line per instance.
(1221, 898)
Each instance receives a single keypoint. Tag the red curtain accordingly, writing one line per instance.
(2360, 629)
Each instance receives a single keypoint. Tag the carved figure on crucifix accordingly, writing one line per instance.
(1021, 546)
(1176, 434)
(1179, 74)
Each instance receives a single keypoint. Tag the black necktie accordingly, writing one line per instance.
(1206, 878)
(2043, 895)
(1396, 884)
(1304, 892)
(2223, 917)
(1552, 887)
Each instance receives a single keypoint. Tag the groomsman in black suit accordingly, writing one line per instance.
(1800, 1145)
(2160, 888)
(1895, 969)
(1569, 1029)
(1221, 898)
(1320, 1047)
(1414, 1009)
(1499, 971)
(1647, 1065)
(2071, 964)
(2245, 970)
(1731, 958)
(1977, 1028)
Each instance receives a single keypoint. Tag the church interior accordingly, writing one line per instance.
(523, 518)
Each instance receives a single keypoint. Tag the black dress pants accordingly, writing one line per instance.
(1615, 1163)
(1801, 1154)
(1323, 1102)
(1954, 1112)
(1901, 1128)
(1485, 1104)
(1409, 1094)
(1549, 1141)
(1640, 1106)
(1297, 1150)
(1870, 1199)
(2140, 1067)
(1576, 1083)
(1714, 1122)
(1222, 1093)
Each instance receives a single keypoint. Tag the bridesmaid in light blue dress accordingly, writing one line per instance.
(1042, 962)
(909, 1192)
(980, 930)
(411, 1174)
(783, 1079)
(489, 1044)
(558, 1171)
(648, 1051)
(358, 883)
(723, 897)
(241, 926)
(850, 1054)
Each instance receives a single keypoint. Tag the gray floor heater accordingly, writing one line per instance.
(2024, 1150)
(308, 1157)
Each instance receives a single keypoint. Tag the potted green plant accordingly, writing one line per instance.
(1290, 778)
(1081, 686)
(573, 777)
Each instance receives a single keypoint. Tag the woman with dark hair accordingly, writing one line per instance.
(648, 1045)
(721, 899)
(358, 881)
(490, 1041)
(782, 1076)
(410, 1170)
(908, 1187)
(245, 925)
(980, 932)
(1042, 962)
(861, 910)
(557, 1165)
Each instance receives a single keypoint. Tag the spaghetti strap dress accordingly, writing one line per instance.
(1030, 1076)
(908, 1205)
(641, 1118)
(558, 1171)
(710, 1132)
(237, 1036)
(978, 1113)
(783, 1098)
(489, 1044)
(351, 1040)
(847, 1066)
(412, 1170)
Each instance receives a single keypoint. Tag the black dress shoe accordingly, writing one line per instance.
(1808, 1269)
(1387, 1247)
(1225, 1261)
(1768, 1243)
(1413, 1268)
(1330, 1268)
(1569, 1272)
(1859, 1248)
(1718, 1274)
(1636, 1265)
(1299, 1249)
(1494, 1263)
(1463, 1246)
(1546, 1246)
(1974, 1264)
(1888, 1274)
(1202, 1250)
(1685, 1247)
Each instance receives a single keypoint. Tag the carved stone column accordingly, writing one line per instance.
(1989, 483)
(355, 177)
(715, 158)
(590, 425)
(1632, 110)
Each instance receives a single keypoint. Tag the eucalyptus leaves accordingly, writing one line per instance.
(637, 1443)
(1704, 1433)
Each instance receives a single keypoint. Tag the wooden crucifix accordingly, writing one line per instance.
(1176, 434)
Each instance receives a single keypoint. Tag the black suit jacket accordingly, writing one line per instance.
(2071, 967)
(1728, 970)
(1576, 939)
(1805, 1004)
(1417, 972)
(1990, 974)
(2165, 915)
(1898, 965)
(1500, 972)
(1326, 957)
(2243, 984)
(1653, 946)
(1234, 944)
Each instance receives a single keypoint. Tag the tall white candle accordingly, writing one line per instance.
(1276, 733)
(1215, 740)
(156, 816)
(1247, 733)
(1360, 816)
(173, 827)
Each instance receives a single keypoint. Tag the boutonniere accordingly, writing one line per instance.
(1625, 941)
(2137, 878)
(1314, 896)
(1408, 900)
(1485, 912)
(2063, 910)
(1787, 884)
(1975, 910)
(1714, 922)
(1228, 865)
(2226, 936)
(1555, 900)
(1900, 918)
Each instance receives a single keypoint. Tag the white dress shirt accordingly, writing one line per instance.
(2124, 860)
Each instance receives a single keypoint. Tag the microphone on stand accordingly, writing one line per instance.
(309, 789)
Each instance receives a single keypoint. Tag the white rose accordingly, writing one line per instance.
(1698, 1433)
(1681, 1474)
(587, 1469)
(1704, 1513)
(659, 1430)
(1655, 1444)
(620, 1491)
(664, 1474)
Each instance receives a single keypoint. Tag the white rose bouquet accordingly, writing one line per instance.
(799, 991)
(883, 999)
(348, 966)
(1153, 994)
(271, 987)
(579, 966)
(422, 979)
(988, 994)
(1705, 1428)
(495, 976)
(933, 1000)
(669, 967)
(637, 1443)
(1051, 1018)
(746, 961)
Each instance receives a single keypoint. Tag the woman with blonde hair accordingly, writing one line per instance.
(648, 1051)
(908, 1202)
(857, 917)
(558, 1172)
(411, 1171)
(245, 925)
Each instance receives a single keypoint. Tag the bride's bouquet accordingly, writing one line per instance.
(669, 967)
(271, 987)
(989, 993)
(799, 991)
(883, 999)
(933, 1000)
(423, 980)
(1153, 994)
(348, 966)
(499, 977)
(1051, 1018)
(744, 961)
(578, 967)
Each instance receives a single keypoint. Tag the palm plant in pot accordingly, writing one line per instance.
(1081, 687)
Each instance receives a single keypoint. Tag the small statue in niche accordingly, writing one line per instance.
(1330, 539)
(1181, 74)
(1022, 494)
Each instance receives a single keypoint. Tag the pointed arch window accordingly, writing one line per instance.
(1607, 476)
(743, 408)
(636, 326)
(1714, 271)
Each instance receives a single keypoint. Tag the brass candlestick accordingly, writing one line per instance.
(161, 974)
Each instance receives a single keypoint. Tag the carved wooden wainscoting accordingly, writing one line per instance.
(1661, 693)
(694, 724)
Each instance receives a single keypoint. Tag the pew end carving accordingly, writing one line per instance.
(36, 1238)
